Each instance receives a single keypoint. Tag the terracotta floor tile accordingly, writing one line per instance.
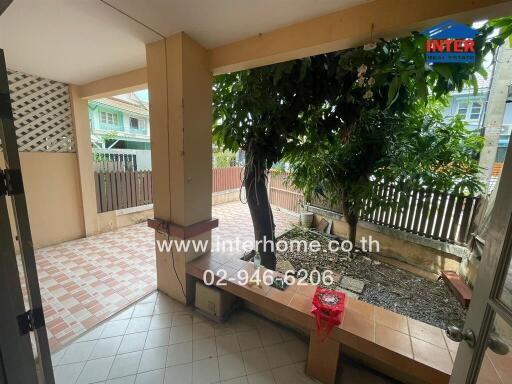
(301, 303)
(365, 310)
(307, 290)
(453, 346)
(426, 332)
(502, 364)
(488, 374)
(85, 281)
(391, 320)
(432, 355)
(355, 323)
(283, 297)
(393, 340)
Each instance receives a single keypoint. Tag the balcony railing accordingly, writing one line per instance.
(117, 128)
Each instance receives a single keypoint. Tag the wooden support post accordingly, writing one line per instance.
(323, 356)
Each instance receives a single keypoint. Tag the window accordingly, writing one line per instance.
(136, 123)
(462, 110)
(108, 118)
(476, 109)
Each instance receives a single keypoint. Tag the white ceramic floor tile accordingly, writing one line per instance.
(157, 338)
(78, 352)
(67, 374)
(238, 380)
(163, 305)
(123, 315)
(204, 348)
(249, 340)
(202, 331)
(255, 360)
(151, 377)
(227, 344)
(205, 371)
(270, 335)
(122, 380)
(261, 378)
(153, 359)
(143, 309)
(106, 347)
(182, 319)
(224, 329)
(298, 350)
(181, 334)
(278, 355)
(231, 366)
(161, 321)
(138, 324)
(95, 370)
(132, 342)
(181, 374)
(178, 354)
(150, 298)
(57, 357)
(93, 334)
(115, 328)
(125, 365)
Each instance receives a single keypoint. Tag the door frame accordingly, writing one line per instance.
(34, 317)
(492, 274)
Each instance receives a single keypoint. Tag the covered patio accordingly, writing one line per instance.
(116, 308)
(86, 281)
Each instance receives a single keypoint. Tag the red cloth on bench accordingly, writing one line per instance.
(328, 305)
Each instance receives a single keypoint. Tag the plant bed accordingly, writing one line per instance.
(385, 286)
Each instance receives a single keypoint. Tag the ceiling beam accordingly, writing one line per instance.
(335, 31)
(135, 80)
(348, 28)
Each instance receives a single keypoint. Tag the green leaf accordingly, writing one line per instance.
(444, 70)
(393, 90)
(474, 83)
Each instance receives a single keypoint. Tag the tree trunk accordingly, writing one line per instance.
(261, 213)
(351, 219)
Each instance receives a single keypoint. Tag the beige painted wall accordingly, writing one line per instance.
(52, 188)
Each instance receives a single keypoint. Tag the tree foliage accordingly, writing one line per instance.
(346, 112)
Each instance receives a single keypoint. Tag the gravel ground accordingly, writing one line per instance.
(385, 285)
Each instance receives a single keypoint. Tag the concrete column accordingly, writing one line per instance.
(180, 108)
(85, 163)
(495, 110)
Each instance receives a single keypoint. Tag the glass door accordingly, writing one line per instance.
(485, 350)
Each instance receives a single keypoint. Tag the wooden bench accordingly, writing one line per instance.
(401, 347)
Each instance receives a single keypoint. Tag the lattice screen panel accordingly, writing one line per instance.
(42, 114)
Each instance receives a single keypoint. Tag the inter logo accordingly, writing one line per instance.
(450, 42)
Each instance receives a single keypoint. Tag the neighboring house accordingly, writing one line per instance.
(469, 106)
(120, 122)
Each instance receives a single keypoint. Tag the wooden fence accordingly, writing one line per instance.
(123, 189)
(224, 179)
(441, 216)
(283, 195)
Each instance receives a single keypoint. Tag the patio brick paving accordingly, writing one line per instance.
(85, 281)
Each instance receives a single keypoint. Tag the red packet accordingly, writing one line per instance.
(328, 305)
